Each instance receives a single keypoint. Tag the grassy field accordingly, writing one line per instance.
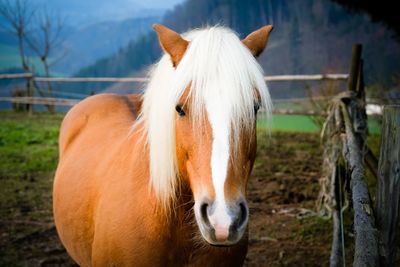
(28, 157)
(294, 123)
(285, 177)
(306, 124)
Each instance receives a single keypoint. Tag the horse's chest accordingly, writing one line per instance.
(197, 253)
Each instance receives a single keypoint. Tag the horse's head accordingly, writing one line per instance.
(215, 88)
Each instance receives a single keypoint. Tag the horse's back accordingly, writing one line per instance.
(91, 135)
(95, 111)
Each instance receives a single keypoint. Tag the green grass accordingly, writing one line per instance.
(27, 143)
(305, 124)
(294, 123)
(28, 157)
(374, 126)
(290, 123)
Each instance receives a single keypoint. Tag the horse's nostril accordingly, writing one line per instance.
(242, 216)
(204, 215)
(203, 209)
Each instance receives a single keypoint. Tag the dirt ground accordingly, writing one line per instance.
(282, 191)
(282, 196)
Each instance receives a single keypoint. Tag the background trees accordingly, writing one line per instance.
(38, 31)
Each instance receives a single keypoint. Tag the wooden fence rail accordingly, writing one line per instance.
(30, 100)
(366, 242)
(71, 102)
(41, 100)
(16, 76)
(275, 78)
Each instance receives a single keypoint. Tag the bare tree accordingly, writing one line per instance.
(19, 14)
(38, 30)
(43, 39)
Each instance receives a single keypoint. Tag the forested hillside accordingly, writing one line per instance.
(84, 46)
(310, 36)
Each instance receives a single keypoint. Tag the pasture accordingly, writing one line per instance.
(282, 194)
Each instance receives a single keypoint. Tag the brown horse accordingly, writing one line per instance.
(161, 180)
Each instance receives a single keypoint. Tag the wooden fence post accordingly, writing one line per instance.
(370, 159)
(29, 91)
(355, 67)
(388, 187)
(366, 237)
(356, 85)
(358, 123)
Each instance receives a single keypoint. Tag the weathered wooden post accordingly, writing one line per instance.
(355, 67)
(366, 240)
(356, 109)
(388, 187)
(366, 237)
(351, 123)
(29, 91)
(370, 159)
(357, 103)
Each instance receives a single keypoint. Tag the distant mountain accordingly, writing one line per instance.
(86, 45)
(310, 36)
(81, 46)
(81, 13)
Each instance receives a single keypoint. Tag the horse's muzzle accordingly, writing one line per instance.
(221, 223)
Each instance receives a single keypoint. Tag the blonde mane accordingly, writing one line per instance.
(219, 68)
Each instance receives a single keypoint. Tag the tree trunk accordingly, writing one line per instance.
(49, 88)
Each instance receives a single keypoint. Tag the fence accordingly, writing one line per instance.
(345, 151)
(53, 101)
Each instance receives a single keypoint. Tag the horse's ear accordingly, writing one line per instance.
(171, 42)
(257, 40)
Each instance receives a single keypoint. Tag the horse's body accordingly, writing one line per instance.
(96, 140)
(107, 214)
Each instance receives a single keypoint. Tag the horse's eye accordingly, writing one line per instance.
(180, 110)
(256, 107)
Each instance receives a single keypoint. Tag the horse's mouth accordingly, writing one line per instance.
(234, 238)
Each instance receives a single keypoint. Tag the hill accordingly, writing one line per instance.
(80, 13)
(84, 46)
(81, 46)
(309, 37)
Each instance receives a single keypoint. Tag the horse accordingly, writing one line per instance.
(160, 179)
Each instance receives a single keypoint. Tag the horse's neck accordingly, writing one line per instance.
(181, 207)
(180, 216)
(183, 225)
